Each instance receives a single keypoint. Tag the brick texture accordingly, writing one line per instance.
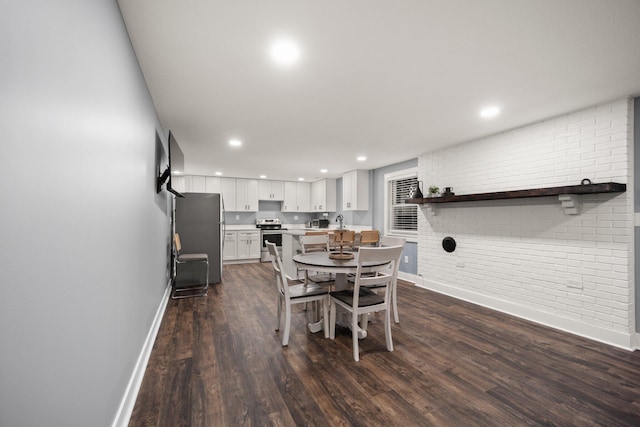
(527, 252)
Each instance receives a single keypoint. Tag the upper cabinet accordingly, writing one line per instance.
(194, 184)
(178, 183)
(297, 197)
(355, 190)
(228, 191)
(323, 195)
(271, 190)
(246, 195)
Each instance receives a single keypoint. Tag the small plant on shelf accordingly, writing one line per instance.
(433, 191)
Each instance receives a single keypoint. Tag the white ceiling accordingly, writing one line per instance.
(387, 79)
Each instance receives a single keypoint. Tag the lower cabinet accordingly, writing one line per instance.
(230, 252)
(241, 245)
(248, 244)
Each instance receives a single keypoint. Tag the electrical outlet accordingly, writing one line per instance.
(237, 217)
(460, 263)
(295, 217)
(406, 259)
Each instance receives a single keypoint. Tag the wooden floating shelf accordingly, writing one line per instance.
(567, 195)
(608, 187)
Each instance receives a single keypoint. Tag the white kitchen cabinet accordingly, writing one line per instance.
(271, 190)
(212, 185)
(194, 184)
(178, 184)
(248, 244)
(323, 195)
(246, 195)
(297, 197)
(230, 252)
(228, 191)
(355, 190)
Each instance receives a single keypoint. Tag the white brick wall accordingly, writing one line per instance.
(526, 256)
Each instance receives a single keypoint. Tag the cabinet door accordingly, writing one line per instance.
(212, 185)
(355, 190)
(290, 203)
(271, 190)
(177, 183)
(277, 190)
(330, 197)
(304, 196)
(228, 187)
(254, 245)
(230, 246)
(248, 244)
(264, 190)
(194, 184)
(246, 195)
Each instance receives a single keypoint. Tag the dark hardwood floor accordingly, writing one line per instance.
(218, 361)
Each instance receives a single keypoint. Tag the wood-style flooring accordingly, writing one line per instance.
(218, 361)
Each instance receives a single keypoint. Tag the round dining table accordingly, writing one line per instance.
(321, 263)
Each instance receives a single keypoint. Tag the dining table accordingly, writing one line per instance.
(321, 262)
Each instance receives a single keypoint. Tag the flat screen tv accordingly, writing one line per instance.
(175, 167)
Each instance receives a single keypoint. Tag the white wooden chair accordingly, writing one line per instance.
(394, 241)
(361, 300)
(297, 293)
(316, 243)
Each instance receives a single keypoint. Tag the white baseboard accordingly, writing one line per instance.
(131, 393)
(409, 277)
(626, 341)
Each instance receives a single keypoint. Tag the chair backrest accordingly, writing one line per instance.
(314, 243)
(176, 239)
(376, 254)
(369, 237)
(315, 233)
(392, 241)
(282, 283)
(344, 238)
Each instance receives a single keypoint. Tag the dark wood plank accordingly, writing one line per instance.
(218, 361)
(607, 187)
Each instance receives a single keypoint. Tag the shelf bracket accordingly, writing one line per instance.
(570, 203)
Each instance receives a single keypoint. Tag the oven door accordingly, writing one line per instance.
(274, 237)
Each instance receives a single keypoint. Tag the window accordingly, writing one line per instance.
(401, 219)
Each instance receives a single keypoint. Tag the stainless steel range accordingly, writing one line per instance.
(271, 231)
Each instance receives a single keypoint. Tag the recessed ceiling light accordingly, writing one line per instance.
(218, 173)
(300, 179)
(263, 176)
(284, 51)
(235, 142)
(362, 158)
(489, 112)
(323, 171)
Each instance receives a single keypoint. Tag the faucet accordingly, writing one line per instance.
(339, 219)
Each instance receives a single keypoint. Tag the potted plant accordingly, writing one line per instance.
(433, 191)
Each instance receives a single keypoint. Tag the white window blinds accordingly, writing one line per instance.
(403, 218)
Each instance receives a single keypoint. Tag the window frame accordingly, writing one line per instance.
(388, 178)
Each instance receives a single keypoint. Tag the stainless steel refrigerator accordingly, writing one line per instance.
(199, 221)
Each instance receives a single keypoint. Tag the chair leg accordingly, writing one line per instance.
(332, 321)
(394, 297)
(279, 313)
(325, 316)
(387, 329)
(354, 336)
(287, 324)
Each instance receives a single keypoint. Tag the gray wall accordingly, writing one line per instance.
(83, 253)
(377, 203)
